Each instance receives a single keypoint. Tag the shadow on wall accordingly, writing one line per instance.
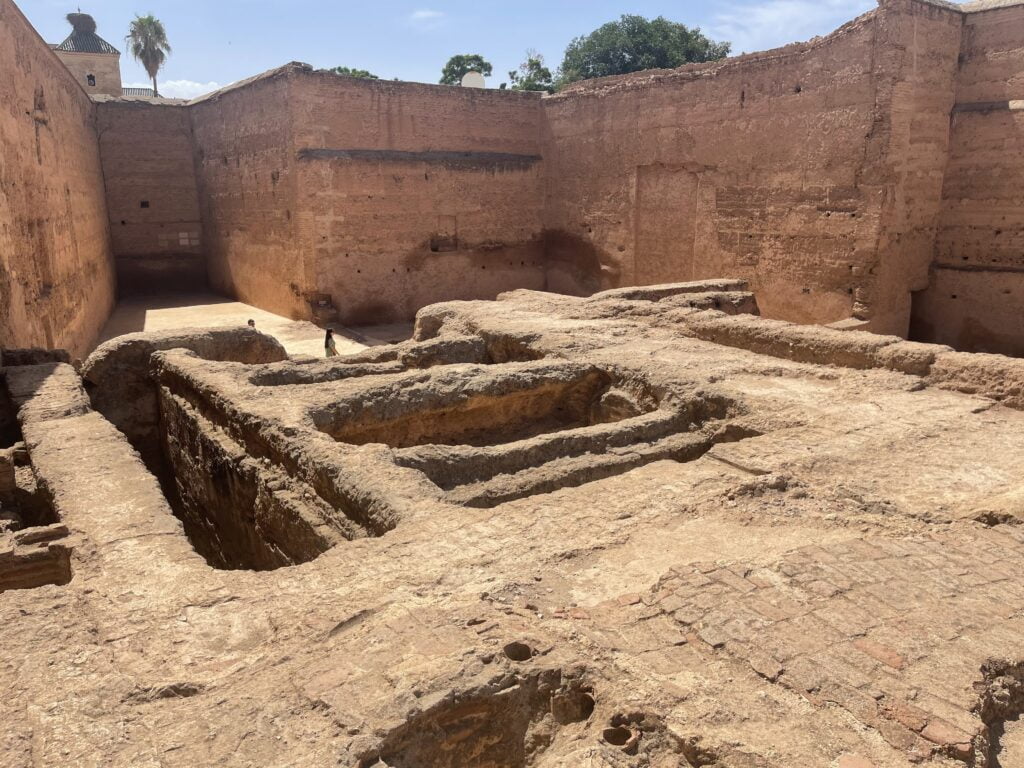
(160, 273)
(971, 311)
(576, 266)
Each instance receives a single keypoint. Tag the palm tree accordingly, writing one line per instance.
(147, 41)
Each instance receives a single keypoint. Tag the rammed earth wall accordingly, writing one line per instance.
(865, 177)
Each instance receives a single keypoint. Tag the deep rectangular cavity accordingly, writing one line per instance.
(240, 511)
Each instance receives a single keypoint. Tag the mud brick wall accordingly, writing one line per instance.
(977, 288)
(152, 197)
(56, 271)
(412, 194)
(244, 164)
(915, 67)
(870, 174)
(747, 168)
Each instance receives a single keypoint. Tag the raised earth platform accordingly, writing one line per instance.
(646, 528)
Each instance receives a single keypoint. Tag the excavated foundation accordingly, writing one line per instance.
(507, 725)
(33, 547)
(272, 465)
(549, 531)
(1001, 705)
(238, 511)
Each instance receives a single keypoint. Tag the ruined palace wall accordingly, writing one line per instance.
(786, 168)
(977, 288)
(152, 199)
(916, 52)
(409, 194)
(244, 166)
(56, 272)
(741, 167)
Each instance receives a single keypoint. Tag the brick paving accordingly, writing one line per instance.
(893, 631)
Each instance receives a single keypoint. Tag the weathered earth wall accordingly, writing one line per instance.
(152, 198)
(747, 168)
(976, 292)
(244, 164)
(828, 174)
(915, 67)
(56, 271)
(411, 194)
(372, 196)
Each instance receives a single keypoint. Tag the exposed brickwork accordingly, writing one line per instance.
(893, 631)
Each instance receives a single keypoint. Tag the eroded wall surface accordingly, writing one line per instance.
(813, 171)
(410, 194)
(152, 198)
(976, 294)
(369, 198)
(56, 272)
(244, 165)
(916, 52)
(828, 174)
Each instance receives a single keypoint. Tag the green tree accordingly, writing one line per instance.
(350, 72)
(147, 42)
(532, 75)
(462, 63)
(634, 43)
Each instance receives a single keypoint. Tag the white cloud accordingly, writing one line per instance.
(426, 18)
(757, 26)
(179, 89)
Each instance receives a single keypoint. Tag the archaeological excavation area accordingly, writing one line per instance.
(644, 528)
(704, 448)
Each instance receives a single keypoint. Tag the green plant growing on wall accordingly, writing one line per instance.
(147, 43)
(462, 63)
(634, 43)
(350, 72)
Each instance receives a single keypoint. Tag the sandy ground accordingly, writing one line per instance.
(207, 310)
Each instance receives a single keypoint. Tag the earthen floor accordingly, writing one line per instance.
(832, 579)
(166, 312)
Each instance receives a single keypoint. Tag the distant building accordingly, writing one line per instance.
(91, 59)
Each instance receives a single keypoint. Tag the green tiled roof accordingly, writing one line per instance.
(81, 41)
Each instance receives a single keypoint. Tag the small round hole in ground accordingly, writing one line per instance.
(517, 651)
(573, 706)
(617, 736)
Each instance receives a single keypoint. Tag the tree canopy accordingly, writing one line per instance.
(532, 75)
(634, 43)
(147, 42)
(462, 63)
(350, 72)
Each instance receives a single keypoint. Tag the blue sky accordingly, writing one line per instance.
(219, 41)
